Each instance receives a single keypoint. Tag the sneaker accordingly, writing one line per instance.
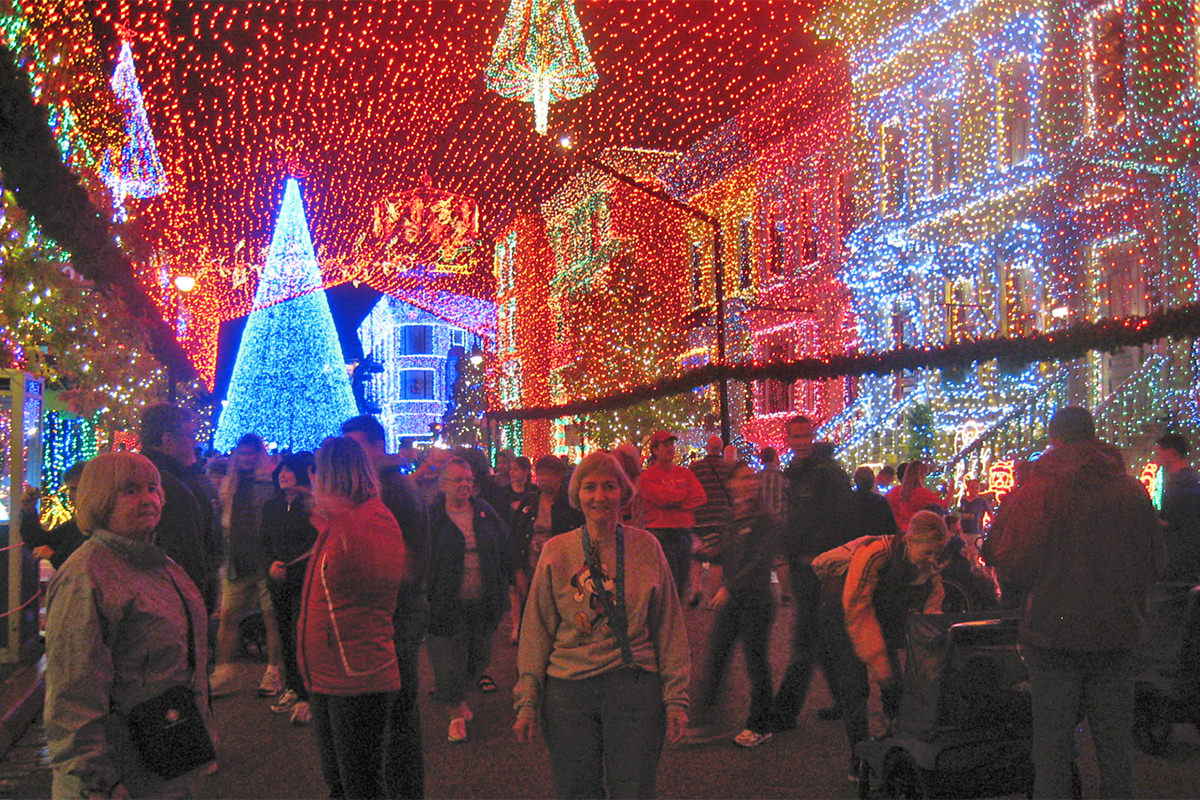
(220, 682)
(271, 684)
(301, 713)
(749, 738)
(286, 702)
(458, 730)
(855, 774)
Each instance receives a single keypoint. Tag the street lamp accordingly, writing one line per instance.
(718, 259)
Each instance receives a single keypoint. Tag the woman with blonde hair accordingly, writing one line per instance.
(346, 649)
(912, 496)
(603, 657)
(124, 626)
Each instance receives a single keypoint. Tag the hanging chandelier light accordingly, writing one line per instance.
(540, 57)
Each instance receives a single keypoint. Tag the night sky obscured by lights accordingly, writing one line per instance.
(359, 99)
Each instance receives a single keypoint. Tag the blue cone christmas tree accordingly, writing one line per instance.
(135, 170)
(289, 384)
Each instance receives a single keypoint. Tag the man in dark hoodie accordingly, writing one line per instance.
(1080, 541)
(188, 530)
(819, 517)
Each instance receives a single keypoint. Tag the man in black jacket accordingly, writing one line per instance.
(188, 530)
(406, 778)
(819, 517)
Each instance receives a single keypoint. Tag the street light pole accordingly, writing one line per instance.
(718, 267)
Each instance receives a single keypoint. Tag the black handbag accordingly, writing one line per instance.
(168, 730)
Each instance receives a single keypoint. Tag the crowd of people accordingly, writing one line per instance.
(356, 558)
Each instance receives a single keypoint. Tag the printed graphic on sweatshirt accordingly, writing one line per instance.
(590, 618)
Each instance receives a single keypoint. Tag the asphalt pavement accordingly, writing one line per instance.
(262, 756)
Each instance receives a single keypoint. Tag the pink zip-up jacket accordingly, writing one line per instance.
(346, 639)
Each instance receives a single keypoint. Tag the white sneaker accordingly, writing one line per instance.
(749, 738)
(458, 730)
(221, 681)
(271, 684)
(301, 713)
(286, 702)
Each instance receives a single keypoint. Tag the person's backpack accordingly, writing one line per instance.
(835, 563)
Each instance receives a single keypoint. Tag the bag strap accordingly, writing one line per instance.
(613, 607)
(191, 634)
(720, 482)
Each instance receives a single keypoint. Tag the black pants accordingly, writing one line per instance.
(285, 596)
(677, 547)
(807, 647)
(847, 675)
(359, 743)
(750, 618)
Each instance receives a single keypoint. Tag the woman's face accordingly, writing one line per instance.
(137, 509)
(519, 474)
(287, 479)
(245, 458)
(600, 497)
(458, 483)
(925, 556)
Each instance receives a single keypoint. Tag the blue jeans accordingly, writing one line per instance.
(1066, 685)
(605, 732)
(677, 547)
(748, 617)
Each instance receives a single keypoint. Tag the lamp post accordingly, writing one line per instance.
(718, 262)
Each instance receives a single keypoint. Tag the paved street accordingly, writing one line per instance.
(262, 756)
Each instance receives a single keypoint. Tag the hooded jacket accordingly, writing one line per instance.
(818, 505)
(1081, 542)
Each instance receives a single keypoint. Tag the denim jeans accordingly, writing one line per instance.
(359, 742)
(1066, 685)
(750, 618)
(677, 547)
(604, 732)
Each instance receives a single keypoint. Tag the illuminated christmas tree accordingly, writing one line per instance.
(540, 57)
(290, 383)
(136, 170)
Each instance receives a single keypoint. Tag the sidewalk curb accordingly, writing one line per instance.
(22, 696)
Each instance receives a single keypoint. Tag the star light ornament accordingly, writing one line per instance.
(135, 170)
(540, 57)
(289, 383)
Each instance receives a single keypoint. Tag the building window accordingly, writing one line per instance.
(1017, 301)
(893, 164)
(806, 214)
(959, 299)
(697, 274)
(1107, 46)
(745, 262)
(416, 384)
(778, 261)
(845, 205)
(416, 340)
(1122, 292)
(1014, 112)
(943, 145)
(776, 395)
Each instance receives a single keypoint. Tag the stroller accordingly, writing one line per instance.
(1168, 682)
(965, 718)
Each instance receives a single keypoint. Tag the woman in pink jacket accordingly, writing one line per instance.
(346, 648)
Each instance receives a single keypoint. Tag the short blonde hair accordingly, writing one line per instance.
(102, 481)
(599, 462)
(344, 471)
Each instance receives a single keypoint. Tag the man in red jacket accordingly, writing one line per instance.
(670, 492)
(1080, 542)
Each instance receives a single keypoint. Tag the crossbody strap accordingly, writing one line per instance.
(613, 607)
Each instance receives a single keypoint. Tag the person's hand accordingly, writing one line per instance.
(277, 571)
(43, 551)
(677, 720)
(524, 729)
(29, 496)
(719, 599)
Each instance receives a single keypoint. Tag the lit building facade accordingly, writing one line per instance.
(418, 351)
